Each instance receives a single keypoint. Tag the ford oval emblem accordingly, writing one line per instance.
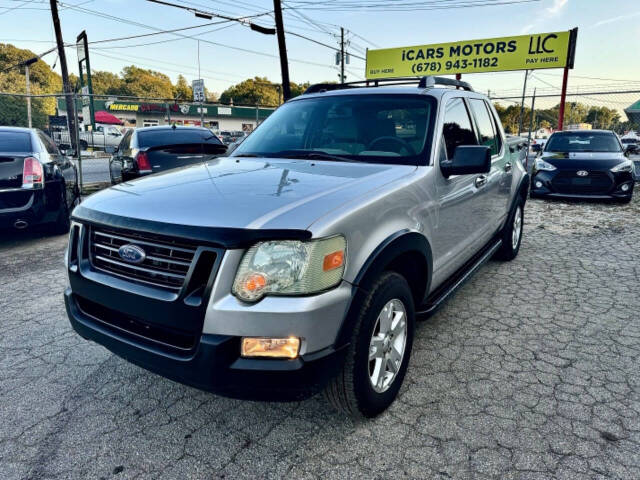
(582, 173)
(132, 253)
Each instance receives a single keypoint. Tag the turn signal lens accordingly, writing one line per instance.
(333, 260)
(255, 282)
(271, 347)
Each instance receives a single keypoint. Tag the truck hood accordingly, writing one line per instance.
(249, 193)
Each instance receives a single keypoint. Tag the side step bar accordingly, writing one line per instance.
(437, 298)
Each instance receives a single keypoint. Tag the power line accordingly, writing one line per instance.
(399, 5)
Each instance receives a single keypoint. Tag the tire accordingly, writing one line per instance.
(83, 145)
(352, 390)
(510, 242)
(63, 222)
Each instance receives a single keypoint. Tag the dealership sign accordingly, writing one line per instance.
(523, 52)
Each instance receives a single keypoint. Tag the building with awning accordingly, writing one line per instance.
(107, 118)
(633, 113)
(145, 114)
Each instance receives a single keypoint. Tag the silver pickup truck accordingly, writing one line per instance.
(101, 138)
(301, 262)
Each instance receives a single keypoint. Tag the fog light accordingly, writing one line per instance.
(538, 184)
(625, 187)
(270, 347)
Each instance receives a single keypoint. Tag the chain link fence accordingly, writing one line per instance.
(90, 144)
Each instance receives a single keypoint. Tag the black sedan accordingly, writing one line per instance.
(155, 149)
(38, 185)
(583, 164)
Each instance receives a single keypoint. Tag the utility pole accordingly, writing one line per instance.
(68, 92)
(26, 74)
(199, 77)
(524, 90)
(341, 55)
(284, 63)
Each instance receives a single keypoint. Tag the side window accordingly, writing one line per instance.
(49, 146)
(486, 127)
(125, 142)
(496, 128)
(457, 129)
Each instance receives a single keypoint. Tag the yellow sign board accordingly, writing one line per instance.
(124, 107)
(523, 52)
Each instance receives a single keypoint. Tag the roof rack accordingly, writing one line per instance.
(423, 82)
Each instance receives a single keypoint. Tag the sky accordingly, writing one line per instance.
(607, 48)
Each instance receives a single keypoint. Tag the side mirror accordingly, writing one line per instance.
(467, 160)
(110, 150)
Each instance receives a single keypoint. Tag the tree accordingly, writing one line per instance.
(182, 89)
(602, 117)
(139, 82)
(13, 110)
(107, 83)
(544, 124)
(257, 90)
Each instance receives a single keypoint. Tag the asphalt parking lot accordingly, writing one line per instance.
(531, 371)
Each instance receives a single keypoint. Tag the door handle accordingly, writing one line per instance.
(481, 181)
(507, 167)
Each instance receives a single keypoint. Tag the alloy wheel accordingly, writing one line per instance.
(387, 345)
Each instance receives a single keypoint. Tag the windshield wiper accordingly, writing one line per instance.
(313, 154)
(246, 155)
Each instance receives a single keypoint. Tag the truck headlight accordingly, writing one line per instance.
(290, 267)
(542, 165)
(626, 166)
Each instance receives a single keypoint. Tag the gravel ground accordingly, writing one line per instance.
(531, 371)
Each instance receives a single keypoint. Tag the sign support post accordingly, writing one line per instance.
(571, 56)
(563, 98)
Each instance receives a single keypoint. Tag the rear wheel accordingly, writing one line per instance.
(512, 233)
(379, 351)
(83, 145)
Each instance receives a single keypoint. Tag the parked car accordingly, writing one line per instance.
(155, 149)
(631, 145)
(583, 164)
(102, 138)
(300, 262)
(38, 185)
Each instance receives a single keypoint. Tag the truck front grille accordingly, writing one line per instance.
(165, 265)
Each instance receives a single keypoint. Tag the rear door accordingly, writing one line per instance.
(461, 214)
(497, 189)
(62, 164)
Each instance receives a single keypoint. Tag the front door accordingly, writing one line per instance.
(462, 199)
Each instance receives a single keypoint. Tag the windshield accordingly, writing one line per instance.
(367, 128)
(583, 142)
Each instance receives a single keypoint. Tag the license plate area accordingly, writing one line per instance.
(581, 181)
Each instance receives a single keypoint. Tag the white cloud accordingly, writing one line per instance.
(557, 6)
(526, 29)
(616, 19)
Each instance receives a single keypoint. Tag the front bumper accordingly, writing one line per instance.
(543, 185)
(195, 338)
(215, 365)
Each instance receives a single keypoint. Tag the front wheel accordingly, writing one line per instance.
(379, 351)
(512, 233)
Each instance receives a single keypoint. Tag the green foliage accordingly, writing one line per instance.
(139, 82)
(259, 90)
(13, 110)
(575, 112)
(106, 83)
(182, 89)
